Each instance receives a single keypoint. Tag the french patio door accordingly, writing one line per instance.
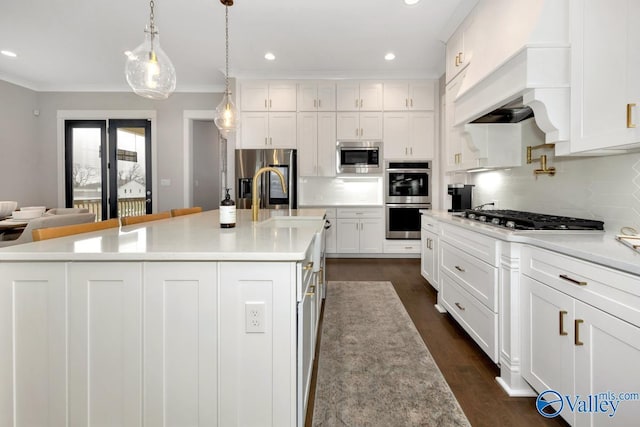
(108, 166)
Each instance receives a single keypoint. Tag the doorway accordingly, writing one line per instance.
(206, 165)
(108, 166)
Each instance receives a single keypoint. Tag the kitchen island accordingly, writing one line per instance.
(170, 322)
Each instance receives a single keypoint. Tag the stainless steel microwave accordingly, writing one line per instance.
(359, 157)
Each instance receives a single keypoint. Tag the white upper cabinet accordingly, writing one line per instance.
(407, 96)
(268, 96)
(359, 96)
(317, 144)
(355, 125)
(459, 49)
(268, 130)
(317, 96)
(409, 135)
(605, 95)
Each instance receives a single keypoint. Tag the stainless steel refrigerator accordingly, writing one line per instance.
(271, 196)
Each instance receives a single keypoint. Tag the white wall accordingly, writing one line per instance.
(29, 173)
(604, 188)
(206, 170)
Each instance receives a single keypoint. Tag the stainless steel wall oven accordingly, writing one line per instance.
(407, 190)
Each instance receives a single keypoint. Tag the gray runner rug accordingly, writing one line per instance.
(373, 368)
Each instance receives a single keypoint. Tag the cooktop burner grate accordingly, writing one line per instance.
(520, 220)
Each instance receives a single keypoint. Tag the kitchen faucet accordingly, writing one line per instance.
(254, 189)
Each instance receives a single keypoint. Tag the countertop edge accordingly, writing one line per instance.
(610, 253)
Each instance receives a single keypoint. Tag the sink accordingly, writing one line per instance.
(292, 222)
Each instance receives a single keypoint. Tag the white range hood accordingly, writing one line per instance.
(540, 75)
(519, 50)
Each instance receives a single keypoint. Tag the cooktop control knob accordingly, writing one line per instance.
(510, 224)
(482, 218)
(471, 216)
(495, 221)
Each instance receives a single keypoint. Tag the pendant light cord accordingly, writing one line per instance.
(226, 37)
(152, 23)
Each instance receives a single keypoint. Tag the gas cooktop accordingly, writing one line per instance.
(519, 220)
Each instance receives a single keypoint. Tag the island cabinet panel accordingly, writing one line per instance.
(257, 369)
(180, 343)
(33, 345)
(105, 337)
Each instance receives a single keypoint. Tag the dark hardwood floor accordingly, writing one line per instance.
(469, 372)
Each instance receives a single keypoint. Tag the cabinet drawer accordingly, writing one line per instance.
(480, 322)
(612, 291)
(474, 243)
(402, 247)
(428, 223)
(475, 276)
(359, 213)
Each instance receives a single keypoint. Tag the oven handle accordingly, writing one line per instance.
(409, 170)
(409, 205)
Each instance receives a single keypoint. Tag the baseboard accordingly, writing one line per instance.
(439, 308)
(516, 392)
(378, 255)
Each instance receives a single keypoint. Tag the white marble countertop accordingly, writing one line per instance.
(600, 247)
(196, 237)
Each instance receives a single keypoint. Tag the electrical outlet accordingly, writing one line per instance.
(254, 317)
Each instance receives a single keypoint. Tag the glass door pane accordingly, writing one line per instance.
(85, 165)
(130, 168)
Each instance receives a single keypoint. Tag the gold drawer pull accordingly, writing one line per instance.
(576, 337)
(312, 288)
(309, 266)
(630, 123)
(561, 322)
(460, 306)
(574, 281)
(459, 268)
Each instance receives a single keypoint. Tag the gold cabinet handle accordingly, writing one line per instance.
(576, 336)
(574, 281)
(269, 103)
(309, 265)
(312, 288)
(459, 268)
(461, 56)
(411, 102)
(265, 141)
(630, 123)
(265, 104)
(315, 103)
(361, 103)
(319, 103)
(562, 313)
(460, 306)
(457, 63)
(356, 103)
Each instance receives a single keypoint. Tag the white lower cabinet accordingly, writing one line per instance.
(33, 355)
(429, 251)
(468, 280)
(105, 343)
(576, 348)
(360, 230)
(180, 343)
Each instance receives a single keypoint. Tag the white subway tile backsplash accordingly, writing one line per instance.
(604, 188)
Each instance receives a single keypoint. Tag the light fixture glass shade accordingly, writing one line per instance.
(226, 117)
(149, 70)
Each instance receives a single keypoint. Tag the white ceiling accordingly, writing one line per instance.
(78, 45)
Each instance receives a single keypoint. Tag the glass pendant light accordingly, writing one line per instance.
(226, 116)
(149, 70)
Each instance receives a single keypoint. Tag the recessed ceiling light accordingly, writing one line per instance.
(389, 56)
(8, 53)
(411, 2)
(269, 56)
